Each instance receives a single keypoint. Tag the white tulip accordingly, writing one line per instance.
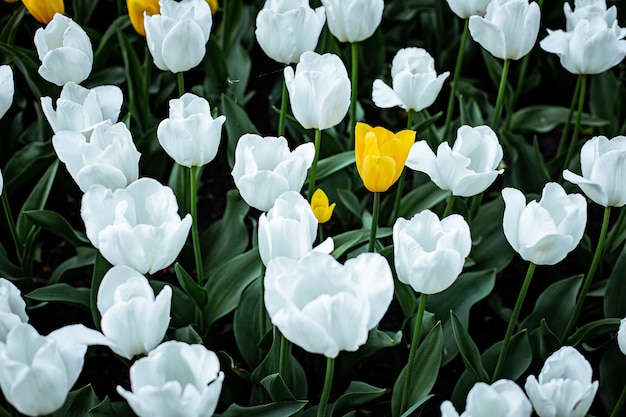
(466, 8)
(353, 20)
(12, 308)
(503, 398)
(7, 88)
(621, 336)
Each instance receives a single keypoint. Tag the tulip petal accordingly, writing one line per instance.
(385, 96)
(422, 158)
(488, 35)
(514, 205)
(183, 46)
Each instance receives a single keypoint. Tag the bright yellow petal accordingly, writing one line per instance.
(320, 207)
(213, 5)
(136, 9)
(44, 10)
(360, 132)
(378, 173)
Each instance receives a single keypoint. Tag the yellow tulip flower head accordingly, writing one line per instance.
(381, 155)
(321, 207)
(136, 9)
(44, 10)
(213, 4)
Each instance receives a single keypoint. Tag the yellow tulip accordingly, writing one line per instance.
(320, 206)
(213, 5)
(380, 155)
(11, 1)
(44, 10)
(136, 9)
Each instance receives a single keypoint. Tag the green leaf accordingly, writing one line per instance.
(227, 237)
(467, 348)
(493, 250)
(178, 181)
(238, 125)
(348, 240)
(377, 340)
(62, 293)
(424, 197)
(276, 388)
(425, 371)
(26, 61)
(55, 223)
(35, 201)
(281, 409)
(186, 334)
(27, 163)
(85, 256)
(246, 325)
(348, 199)
(101, 266)
(335, 163)
(544, 118)
(615, 295)
(78, 403)
(226, 283)
(612, 377)
(543, 343)
(357, 394)
(197, 293)
(555, 304)
(594, 329)
(411, 411)
(111, 409)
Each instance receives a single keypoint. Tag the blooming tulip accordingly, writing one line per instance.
(564, 387)
(544, 232)
(322, 209)
(136, 11)
(44, 11)
(137, 226)
(64, 50)
(428, 253)
(12, 308)
(7, 88)
(287, 28)
(415, 82)
(509, 29)
(37, 372)
(353, 20)
(177, 36)
(190, 135)
(289, 229)
(466, 8)
(323, 306)
(381, 155)
(603, 164)
(80, 109)
(467, 169)
(132, 318)
(109, 157)
(265, 168)
(319, 91)
(503, 398)
(621, 336)
(175, 380)
(591, 47)
(583, 9)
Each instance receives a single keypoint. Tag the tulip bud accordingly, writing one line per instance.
(132, 318)
(544, 232)
(12, 306)
(175, 379)
(381, 155)
(353, 20)
(564, 387)
(415, 82)
(322, 209)
(503, 398)
(467, 169)
(44, 10)
(7, 88)
(136, 11)
(190, 135)
(64, 50)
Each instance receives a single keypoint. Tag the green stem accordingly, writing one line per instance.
(400, 187)
(283, 110)
(193, 183)
(262, 323)
(355, 88)
(449, 206)
(408, 376)
(455, 81)
(592, 271)
(328, 382)
(501, 92)
(11, 223)
(579, 115)
(619, 404)
(374, 225)
(561, 147)
(284, 351)
(313, 171)
(181, 83)
(512, 321)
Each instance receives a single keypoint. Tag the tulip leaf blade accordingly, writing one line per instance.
(493, 251)
(357, 394)
(335, 163)
(411, 411)
(594, 329)
(4, 413)
(240, 126)
(57, 224)
(27, 163)
(62, 293)
(100, 267)
(196, 292)
(245, 325)
(85, 256)
(468, 349)
(424, 197)
(426, 368)
(348, 240)
(615, 296)
(78, 403)
(275, 409)
(106, 408)
(276, 387)
(544, 118)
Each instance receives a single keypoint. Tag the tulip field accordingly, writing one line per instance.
(313, 208)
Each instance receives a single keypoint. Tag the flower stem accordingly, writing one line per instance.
(619, 404)
(283, 110)
(181, 83)
(355, 86)
(328, 382)
(11, 223)
(400, 187)
(449, 206)
(592, 271)
(512, 321)
(579, 115)
(414, 342)
(501, 92)
(193, 182)
(318, 139)
(374, 225)
(559, 151)
(455, 80)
